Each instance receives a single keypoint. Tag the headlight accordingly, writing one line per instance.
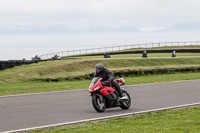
(90, 90)
(96, 88)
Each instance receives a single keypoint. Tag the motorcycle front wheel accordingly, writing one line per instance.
(98, 105)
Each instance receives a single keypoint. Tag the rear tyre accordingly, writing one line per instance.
(127, 104)
(97, 104)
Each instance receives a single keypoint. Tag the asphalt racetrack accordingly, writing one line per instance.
(34, 110)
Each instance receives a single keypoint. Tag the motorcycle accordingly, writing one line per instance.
(105, 96)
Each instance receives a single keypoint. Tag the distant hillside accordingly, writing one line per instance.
(187, 26)
(60, 29)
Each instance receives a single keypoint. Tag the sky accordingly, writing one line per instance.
(30, 27)
(79, 16)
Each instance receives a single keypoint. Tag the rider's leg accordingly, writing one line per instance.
(117, 87)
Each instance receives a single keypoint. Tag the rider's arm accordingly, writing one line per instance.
(110, 75)
(95, 75)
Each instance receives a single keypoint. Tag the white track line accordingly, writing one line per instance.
(86, 89)
(101, 118)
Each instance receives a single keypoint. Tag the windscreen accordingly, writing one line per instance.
(94, 81)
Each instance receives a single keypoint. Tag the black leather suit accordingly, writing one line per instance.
(107, 75)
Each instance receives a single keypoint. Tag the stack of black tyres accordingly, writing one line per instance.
(19, 62)
(5, 65)
(0, 65)
(12, 63)
(24, 62)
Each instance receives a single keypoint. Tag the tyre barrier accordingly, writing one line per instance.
(12, 63)
(4, 65)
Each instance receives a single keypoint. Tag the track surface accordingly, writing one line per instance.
(26, 111)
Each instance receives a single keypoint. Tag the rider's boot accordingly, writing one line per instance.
(122, 97)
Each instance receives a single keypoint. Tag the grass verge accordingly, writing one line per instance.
(35, 87)
(168, 121)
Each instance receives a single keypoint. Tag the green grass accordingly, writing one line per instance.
(63, 69)
(34, 87)
(138, 55)
(167, 121)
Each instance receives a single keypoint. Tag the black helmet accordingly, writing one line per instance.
(99, 67)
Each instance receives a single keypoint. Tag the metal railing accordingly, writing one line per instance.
(118, 48)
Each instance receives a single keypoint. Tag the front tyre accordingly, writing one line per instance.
(126, 104)
(97, 104)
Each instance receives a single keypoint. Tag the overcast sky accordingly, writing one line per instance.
(83, 14)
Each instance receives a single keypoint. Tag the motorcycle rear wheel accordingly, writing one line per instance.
(127, 104)
(98, 106)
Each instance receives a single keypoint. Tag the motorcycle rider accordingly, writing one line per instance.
(108, 76)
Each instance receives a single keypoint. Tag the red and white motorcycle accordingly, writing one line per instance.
(105, 96)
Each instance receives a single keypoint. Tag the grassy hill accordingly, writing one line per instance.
(62, 69)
